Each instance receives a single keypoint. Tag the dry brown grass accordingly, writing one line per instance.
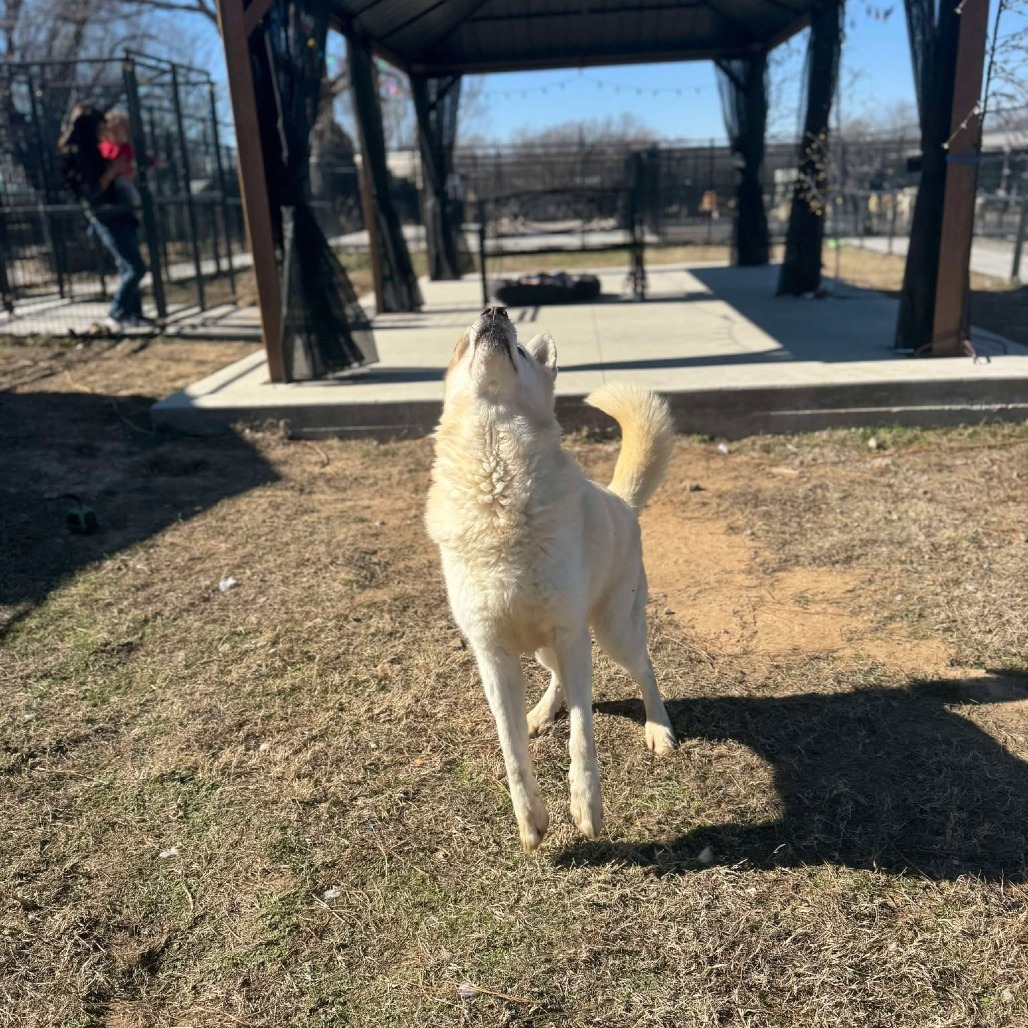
(858, 774)
(113, 367)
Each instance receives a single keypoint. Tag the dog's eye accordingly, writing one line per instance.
(521, 350)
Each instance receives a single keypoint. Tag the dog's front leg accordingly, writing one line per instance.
(574, 658)
(504, 684)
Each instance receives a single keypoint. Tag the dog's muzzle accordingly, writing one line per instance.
(493, 329)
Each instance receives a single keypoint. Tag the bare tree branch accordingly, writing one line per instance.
(203, 7)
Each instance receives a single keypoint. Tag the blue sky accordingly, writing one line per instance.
(876, 74)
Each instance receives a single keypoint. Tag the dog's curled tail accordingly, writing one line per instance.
(647, 439)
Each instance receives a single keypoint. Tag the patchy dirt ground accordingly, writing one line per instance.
(284, 803)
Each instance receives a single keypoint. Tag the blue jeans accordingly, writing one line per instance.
(121, 239)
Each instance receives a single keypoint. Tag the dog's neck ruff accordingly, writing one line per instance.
(488, 468)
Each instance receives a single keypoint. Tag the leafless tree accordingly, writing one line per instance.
(1005, 92)
(785, 74)
(205, 8)
(623, 128)
(32, 30)
(57, 53)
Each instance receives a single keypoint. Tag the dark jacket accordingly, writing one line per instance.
(83, 169)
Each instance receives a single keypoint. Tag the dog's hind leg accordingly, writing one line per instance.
(504, 684)
(620, 628)
(551, 702)
(573, 655)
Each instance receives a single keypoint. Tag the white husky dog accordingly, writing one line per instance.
(534, 553)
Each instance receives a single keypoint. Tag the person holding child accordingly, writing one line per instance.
(104, 187)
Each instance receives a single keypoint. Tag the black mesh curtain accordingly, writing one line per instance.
(437, 101)
(933, 50)
(400, 290)
(324, 329)
(801, 268)
(742, 82)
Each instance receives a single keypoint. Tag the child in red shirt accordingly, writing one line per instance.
(115, 146)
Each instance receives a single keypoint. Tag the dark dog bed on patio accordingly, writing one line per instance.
(544, 289)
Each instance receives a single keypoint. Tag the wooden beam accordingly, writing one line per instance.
(948, 331)
(252, 182)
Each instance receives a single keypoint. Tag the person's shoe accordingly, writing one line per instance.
(113, 325)
(141, 321)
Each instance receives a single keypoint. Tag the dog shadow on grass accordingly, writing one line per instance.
(888, 779)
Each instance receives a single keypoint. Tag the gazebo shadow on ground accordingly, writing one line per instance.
(100, 449)
(894, 780)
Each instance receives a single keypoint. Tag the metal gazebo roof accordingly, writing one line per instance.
(477, 36)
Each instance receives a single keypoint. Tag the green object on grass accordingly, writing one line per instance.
(81, 517)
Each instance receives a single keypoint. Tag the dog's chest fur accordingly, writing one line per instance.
(498, 509)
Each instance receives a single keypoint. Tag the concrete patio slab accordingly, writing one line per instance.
(732, 358)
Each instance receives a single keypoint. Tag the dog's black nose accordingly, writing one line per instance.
(494, 312)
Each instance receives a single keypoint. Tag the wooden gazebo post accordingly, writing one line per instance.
(962, 155)
(236, 24)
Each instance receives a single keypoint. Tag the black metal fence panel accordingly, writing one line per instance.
(684, 193)
(191, 226)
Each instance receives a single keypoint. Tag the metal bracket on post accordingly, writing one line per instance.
(145, 196)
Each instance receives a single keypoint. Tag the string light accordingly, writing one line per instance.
(387, 73)
(600, 84)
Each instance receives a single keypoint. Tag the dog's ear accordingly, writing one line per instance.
(544, 350)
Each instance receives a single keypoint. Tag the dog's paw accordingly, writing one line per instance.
(532, 826)
(587, 808)
(537, 725)
(660, 739)
(542, 715)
